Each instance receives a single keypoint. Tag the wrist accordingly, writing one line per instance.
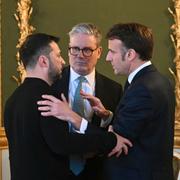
(106, 114)
(76, 120)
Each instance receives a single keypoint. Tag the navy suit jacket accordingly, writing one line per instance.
(109, 92)
(145, 115)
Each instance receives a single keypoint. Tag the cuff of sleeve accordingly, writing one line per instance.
(106, 122)
(84, 125)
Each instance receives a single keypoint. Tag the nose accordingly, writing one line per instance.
(62, 61)
(80, 54)
(108, 57)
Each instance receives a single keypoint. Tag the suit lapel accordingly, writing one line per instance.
(98, 86)
(98, 93)
(143, 71)
(139, 75)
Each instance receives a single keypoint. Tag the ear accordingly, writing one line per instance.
(99, 51)
(131, 54)
(43, 61)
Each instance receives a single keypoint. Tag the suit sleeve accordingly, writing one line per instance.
(57, 136)
(134, 112)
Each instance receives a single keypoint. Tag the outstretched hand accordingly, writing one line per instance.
(122, 145)
(96, 105)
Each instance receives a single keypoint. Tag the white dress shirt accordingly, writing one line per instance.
(132, 75)
(87, 87)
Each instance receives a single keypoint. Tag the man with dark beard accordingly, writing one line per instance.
(39, 147)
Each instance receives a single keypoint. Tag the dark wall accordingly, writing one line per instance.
(57, 17)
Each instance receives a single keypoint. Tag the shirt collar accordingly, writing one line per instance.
(131, 75)
(90, 77)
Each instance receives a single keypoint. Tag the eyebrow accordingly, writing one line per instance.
(111, 50)
(81, 48)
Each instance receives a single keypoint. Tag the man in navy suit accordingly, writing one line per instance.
(145, 114)
(84, 52)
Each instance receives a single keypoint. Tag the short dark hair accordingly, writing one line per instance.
(134, 36)
(35, 45)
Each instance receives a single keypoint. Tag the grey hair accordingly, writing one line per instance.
(87, 28)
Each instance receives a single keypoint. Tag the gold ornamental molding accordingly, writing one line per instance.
(3, 139)
(175, 37)
(24, 11)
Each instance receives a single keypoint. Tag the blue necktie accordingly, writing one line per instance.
(78, 104)
(77, 162)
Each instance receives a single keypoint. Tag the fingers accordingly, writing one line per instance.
(115, 151)
(118, 153)
(89, 97)
(125, 149)
(44, 108)
(44, 102)
(122, 145)
(95, 109)
(112, 153)
(47, 113)
(126, 141)
(63, 98)
(82, 93)
(98, 109)
(50, 98)
(123, 140)
(110, 129)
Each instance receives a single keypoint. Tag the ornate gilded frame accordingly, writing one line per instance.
(22, 16)
(175, 37)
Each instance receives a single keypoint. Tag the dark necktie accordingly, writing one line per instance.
(126, 86)
(77, 162)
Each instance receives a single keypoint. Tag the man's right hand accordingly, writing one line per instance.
(96, 105)
(51, 106)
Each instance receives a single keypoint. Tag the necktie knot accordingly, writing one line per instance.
(81, 79)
